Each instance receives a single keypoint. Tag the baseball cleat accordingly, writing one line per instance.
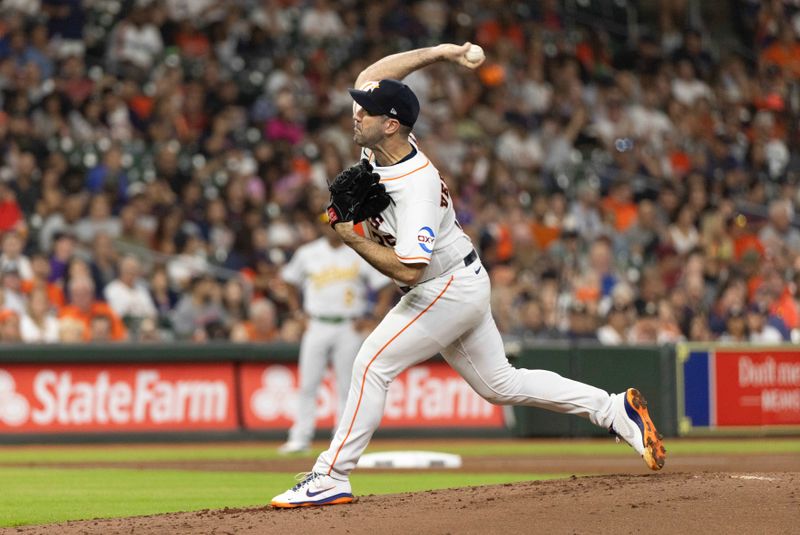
(632, 423)
(314, 489)
(290, 447)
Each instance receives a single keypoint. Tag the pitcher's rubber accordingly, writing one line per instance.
(654, 452)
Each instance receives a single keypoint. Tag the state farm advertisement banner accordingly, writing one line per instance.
(123, 397)
(757, 387)
(429, 395)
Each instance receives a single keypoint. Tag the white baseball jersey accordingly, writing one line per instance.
(420, 225)
(334, 280)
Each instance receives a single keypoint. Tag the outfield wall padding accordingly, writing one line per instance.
(650, 369)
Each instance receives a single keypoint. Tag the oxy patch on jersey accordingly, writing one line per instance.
(426, 238)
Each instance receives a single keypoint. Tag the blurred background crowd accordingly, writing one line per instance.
(629, 170)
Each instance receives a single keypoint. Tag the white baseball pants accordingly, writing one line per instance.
(450, 315)
(323, 342)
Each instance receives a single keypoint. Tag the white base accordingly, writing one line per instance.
(409, 460)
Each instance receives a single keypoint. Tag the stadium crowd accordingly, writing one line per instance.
(162, 159)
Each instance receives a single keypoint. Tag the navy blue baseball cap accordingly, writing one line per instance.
(389, 97)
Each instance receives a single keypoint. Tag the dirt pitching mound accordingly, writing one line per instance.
(656, 503)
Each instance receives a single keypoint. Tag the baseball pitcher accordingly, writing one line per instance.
(394, 209)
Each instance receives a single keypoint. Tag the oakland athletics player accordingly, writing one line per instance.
(334, 282)
(417, 242)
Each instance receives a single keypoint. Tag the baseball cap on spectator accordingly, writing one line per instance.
(757, 308)
(389, 97)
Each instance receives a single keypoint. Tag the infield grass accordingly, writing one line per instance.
(47, 495)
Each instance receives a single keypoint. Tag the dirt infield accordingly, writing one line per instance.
(668, 502)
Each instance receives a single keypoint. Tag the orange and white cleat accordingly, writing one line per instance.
(314, 489)
(632, 423)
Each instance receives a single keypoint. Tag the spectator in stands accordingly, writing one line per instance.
(262, 325)
(11, 286)
(84, 307)
(104, 259)
(127, 295)
(639, 241)
(135, 43)
(11, 254)
(669, 331)
(735, 327)
(99, 220)
(199, 307)
(109, 176)
(40, 266)
(63, 251)
(321, 21)
(9, 327)
(149, 332)
(686, 87)
(582, 324)
(614, 331)
(235, 300)
(61, 223)
(39, 324)
(683, 234)
(531, 324)
(163, 296)
(100, 328)
(699, 330)
(618, 206)
(10, 212)
(784, 52)
(71, 331)
(760, 331)
(645, 329)
(779, 233)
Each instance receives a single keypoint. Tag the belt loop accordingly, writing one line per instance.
(471, 257)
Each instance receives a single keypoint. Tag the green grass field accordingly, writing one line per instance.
(46, 495)
(38, 495)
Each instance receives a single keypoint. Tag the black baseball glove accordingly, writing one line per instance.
(357, 194)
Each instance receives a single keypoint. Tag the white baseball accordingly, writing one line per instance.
(474, 54)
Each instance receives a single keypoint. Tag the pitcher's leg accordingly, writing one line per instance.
(479, 357)
(312, 363)
(400, 340)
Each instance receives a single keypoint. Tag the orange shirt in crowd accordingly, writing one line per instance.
(745, 243)
(255, 336)
(786, 309)
(785, 56)
(625, 213)
(118, 330)
(54, 292)
(543, 235)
